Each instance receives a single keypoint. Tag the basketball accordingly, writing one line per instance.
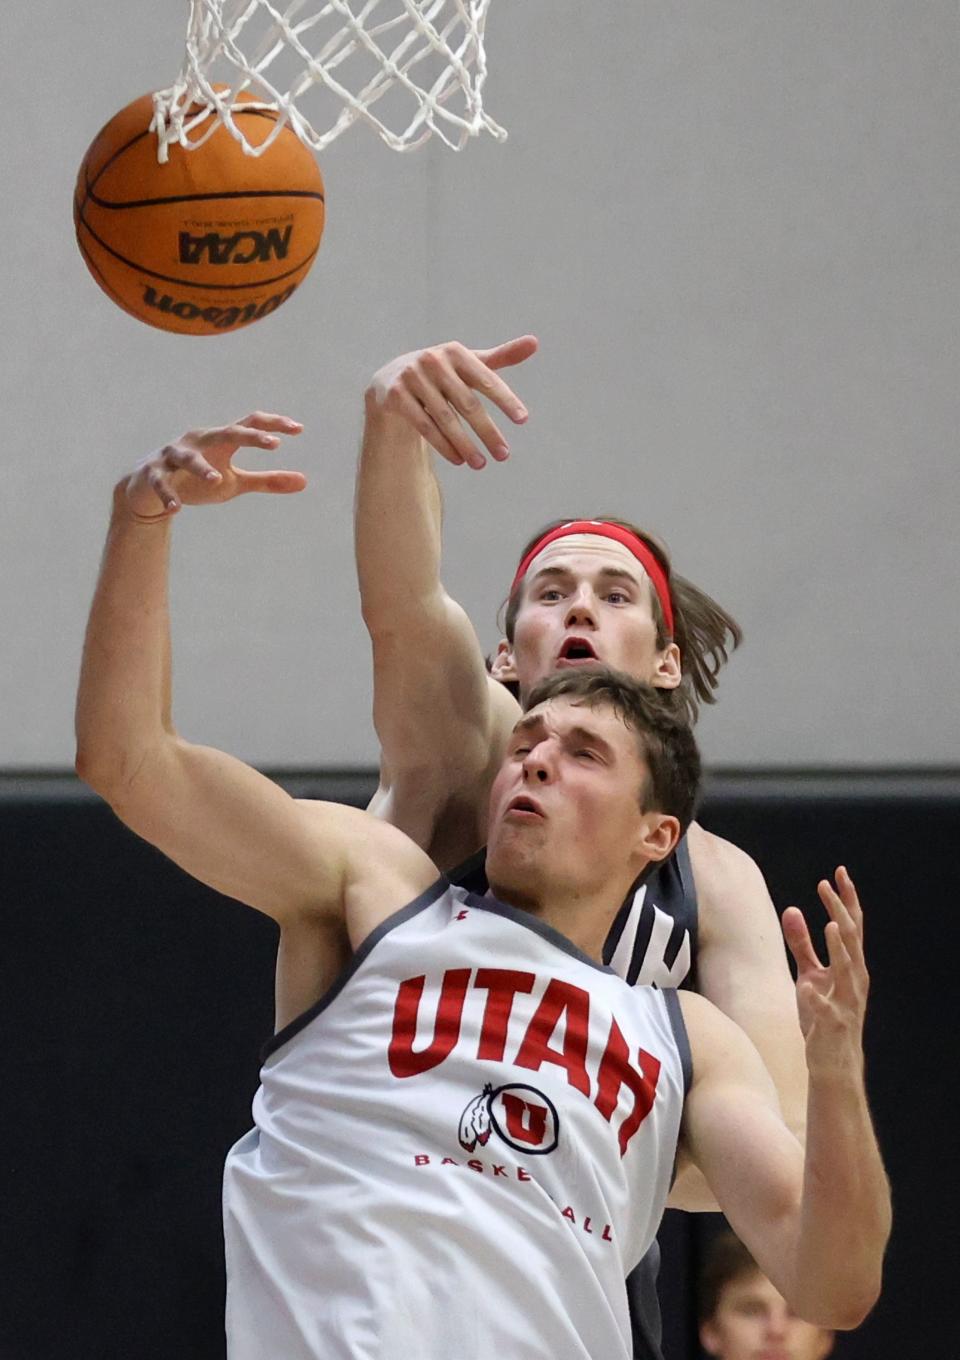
(210, 241)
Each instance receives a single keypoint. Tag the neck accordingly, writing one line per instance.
(584, 917)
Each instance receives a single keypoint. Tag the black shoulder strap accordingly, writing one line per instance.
(472, 873)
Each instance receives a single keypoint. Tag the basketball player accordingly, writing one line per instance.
(702, 918)
(467, 1125)
(743, 1316)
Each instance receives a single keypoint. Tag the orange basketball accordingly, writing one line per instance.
(210, 241)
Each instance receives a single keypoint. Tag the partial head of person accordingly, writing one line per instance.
(600, 779)
(743, 1317)
(603, 591)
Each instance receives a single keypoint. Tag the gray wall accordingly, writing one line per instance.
(732, 226)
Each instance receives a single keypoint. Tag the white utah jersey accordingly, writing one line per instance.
(460, 1152)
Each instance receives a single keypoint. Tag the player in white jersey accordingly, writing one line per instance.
(459, 1085)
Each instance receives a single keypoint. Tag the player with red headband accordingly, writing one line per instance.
(585, 592)
(599, 528)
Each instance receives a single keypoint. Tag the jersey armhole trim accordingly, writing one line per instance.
(678, 1025)
(362, 951)
(688, 886)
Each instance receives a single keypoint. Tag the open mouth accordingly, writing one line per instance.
(525, 806)
(577, 649)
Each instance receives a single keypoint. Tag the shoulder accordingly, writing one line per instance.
(719, 863)
(697, 1012)
(731, 891)
(377, 854)
(718, 1046)
(710, 1034)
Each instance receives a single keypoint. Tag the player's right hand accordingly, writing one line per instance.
(197, 469)
(436, 391)
(831, 999)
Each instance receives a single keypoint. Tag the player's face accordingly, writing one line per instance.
(565, 807)
(587, 601)
(752, 1322)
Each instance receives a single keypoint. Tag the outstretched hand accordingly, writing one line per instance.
(831, 1000)
(197, 469)
(436, 389)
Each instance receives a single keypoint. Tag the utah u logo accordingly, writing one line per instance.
(523, 1117)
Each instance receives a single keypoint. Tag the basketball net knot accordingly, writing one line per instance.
(409, 68)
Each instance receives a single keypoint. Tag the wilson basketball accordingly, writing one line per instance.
(208, 242)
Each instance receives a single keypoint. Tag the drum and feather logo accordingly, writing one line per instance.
(523, 1117)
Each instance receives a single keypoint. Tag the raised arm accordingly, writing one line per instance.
(216, 817)
(742, 968)
(440, 719)
(817, 1222)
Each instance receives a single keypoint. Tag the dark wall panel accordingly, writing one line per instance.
(135, 1003)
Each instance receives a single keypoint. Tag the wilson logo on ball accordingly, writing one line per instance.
(243, 247)
(222, 318)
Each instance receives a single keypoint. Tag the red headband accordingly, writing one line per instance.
(629, 540)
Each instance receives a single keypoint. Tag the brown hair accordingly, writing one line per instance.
(666, 741)
(727, 1259)
(704, 633)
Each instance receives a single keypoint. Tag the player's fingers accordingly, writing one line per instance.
(849, 895)
(798, 940)
(849, 982)
(839, 913)
(229, 438)
(478, 375)
(837, 952)
(270, 420)
(426, 427)
(510, 352)
(278, 482)
(843, 895)
(852, 925)
(468, 405)
(191, 460)
(158, 481)
(427, 394)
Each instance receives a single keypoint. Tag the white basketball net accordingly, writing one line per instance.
(410, 68)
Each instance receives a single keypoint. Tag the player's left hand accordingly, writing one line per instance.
(832, 1000)
(198, 468)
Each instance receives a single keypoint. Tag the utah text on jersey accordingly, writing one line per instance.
(557, 1032)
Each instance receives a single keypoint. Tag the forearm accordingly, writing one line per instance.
(221, 821)
(397, 523)
(123, 704)
(845, 1214)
